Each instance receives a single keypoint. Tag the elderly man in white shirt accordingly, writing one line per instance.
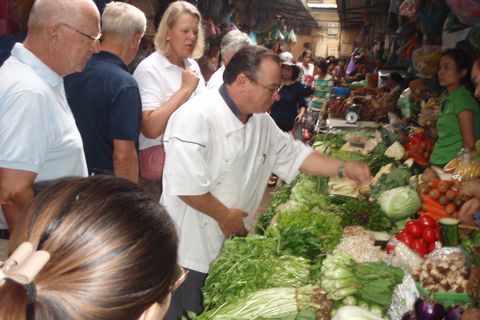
(231, 43)
(221, 147)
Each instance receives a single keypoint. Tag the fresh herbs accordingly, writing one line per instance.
(362, 212)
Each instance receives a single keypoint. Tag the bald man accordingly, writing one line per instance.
(39, 141)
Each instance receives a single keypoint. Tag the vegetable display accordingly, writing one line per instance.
(399, 203)
(275, 303)
(315, 254)
(422, 235)
(371, 283)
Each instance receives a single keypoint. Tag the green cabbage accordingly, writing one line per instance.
(399, 203)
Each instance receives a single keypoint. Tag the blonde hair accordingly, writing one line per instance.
(169, 19)
(113, 252)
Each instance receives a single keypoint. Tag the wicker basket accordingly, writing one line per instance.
(465, 231)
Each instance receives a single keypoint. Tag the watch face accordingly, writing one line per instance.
(351, 117)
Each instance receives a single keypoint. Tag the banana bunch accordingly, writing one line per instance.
(343, 186)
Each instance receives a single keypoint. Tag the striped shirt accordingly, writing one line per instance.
(323, 90)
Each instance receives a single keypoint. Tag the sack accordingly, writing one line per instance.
(151, 161)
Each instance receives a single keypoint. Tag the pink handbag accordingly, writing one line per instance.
(151, 161)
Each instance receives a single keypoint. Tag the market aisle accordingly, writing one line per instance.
(264, 204)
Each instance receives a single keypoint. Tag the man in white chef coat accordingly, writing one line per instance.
(221, 147)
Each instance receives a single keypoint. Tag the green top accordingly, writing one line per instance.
(450, 140)
(323, 90)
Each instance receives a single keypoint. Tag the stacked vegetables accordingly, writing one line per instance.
(422, 235)
(418, 148)
(439, 199)
(369, 285)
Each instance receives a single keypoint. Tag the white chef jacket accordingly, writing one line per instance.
(158, 79)
(208, 149)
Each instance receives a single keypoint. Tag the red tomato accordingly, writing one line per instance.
(414, 228)
(420, 247)
(420, 135)
(428, 235)
(426, 221)
(414, 139)
(432, 246)
(407, 239)
(429, 143)
(437, 233)
(408, 146)
(390, 249)
(400, 235)
(403, 134)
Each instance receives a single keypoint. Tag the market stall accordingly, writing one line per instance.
(330, 249)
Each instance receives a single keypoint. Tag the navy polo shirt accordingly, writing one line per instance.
(106, 104)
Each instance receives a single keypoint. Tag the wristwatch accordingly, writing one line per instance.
(340, 169)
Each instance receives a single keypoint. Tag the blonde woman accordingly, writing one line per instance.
(167, 79)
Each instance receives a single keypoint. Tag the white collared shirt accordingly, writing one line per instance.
(216, 80)
(158, 79)
(208, 149)
(37, 129)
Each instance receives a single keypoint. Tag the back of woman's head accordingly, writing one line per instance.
(113, 252)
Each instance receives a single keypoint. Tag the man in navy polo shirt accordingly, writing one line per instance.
(105, 99)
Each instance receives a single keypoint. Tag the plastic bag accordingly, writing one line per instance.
(450, 39)
(426, 60)
(292, 37)
(467, 11)
(466, 168)
(404, 297)
(404, 103)
(251, 35)
(408, 8)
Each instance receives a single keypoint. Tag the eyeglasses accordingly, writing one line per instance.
(94, 39)
(180, 277)
(272, 91)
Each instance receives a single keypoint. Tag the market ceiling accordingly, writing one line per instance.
(350, 12)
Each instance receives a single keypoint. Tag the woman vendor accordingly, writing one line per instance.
(292, 105)
(458, 123)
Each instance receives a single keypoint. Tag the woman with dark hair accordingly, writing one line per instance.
(322, 89)
(308, 71)
(286, 110)
(458, 123)
(340, 70)
(95, 248)
(395, 82)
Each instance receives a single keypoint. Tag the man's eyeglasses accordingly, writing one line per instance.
(272, 91)
(180, 277)
(94, 39)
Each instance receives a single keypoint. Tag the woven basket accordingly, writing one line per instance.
(465, 231)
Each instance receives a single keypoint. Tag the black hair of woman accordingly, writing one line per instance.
(396, 77)
(462, 61)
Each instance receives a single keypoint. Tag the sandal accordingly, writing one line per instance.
(272, 182)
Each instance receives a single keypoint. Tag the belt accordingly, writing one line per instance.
(4, 234)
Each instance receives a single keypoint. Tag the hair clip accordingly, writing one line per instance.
(24, 264)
